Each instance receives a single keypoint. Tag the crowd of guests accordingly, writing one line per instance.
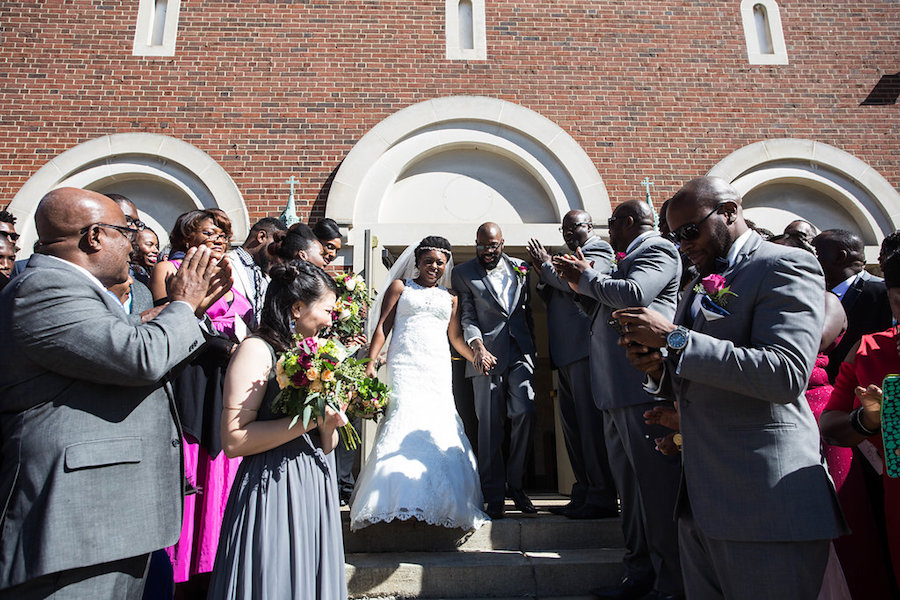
(707, 369)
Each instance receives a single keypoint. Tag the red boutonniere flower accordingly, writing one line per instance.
(521, 271)
(713, 286)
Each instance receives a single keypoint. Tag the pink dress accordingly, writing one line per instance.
(195, 551)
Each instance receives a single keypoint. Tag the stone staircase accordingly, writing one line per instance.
(541, 556)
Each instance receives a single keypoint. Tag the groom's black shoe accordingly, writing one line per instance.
(522, 501)
(496, 510)
(565, 509)
(592, 511)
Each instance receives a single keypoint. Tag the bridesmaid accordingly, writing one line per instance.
(281, 535)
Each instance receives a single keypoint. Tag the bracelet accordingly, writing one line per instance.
(857, 424)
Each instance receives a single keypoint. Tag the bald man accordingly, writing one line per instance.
(91, 473)
(495, 311)
(647, 273)
(756, 510)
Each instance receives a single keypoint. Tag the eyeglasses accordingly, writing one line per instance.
(137, 223)
(128, 232)
(610, 221)
(491, 247)
(690, 231)
(212, 235)
(12, 235)
(574, 226)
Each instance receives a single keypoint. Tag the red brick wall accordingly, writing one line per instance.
(270, 89)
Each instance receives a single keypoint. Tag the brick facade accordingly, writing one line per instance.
(269, 89)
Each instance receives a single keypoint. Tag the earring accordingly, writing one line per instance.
(293, 326)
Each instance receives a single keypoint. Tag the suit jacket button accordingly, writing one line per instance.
(175, 443)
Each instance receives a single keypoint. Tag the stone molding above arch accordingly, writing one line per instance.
(533, 146)
(120, 158)
(850, 184)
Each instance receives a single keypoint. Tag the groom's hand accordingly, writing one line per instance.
(484, 360)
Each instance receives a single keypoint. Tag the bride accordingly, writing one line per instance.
(422, 466)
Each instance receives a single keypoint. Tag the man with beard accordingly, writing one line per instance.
(495, 311)
(756, 509)
(593, 493)
(250, 263)
(7, 259)
(647, 273)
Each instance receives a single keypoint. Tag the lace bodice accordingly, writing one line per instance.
(419, 336)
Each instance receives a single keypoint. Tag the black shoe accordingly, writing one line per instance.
(591, 511)
(522, 501)
(496, 510)
(563, 510)
(628, 589)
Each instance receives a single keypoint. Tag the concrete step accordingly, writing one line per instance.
(482, 574)
(543, 531)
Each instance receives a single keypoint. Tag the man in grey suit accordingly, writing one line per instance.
(593, 493)
(495, 312)
(91, 474)
(756, 509)
(647, 274)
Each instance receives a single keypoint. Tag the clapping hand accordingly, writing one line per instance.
(663, 415)
(538, 253)
(667, 445)
(870, 398)
(570, 267)
(200, 280)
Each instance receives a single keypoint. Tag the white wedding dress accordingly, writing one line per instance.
(422, 466)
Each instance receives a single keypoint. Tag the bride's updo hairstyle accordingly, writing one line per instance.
(433, 242)
(293, 281)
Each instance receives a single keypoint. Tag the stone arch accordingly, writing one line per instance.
(786, 179)
(164, 176)
(457, 161)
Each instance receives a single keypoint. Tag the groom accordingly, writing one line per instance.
(496, 321)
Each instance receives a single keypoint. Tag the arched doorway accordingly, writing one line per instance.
(444, 166)
(164, 177)
(787, 179)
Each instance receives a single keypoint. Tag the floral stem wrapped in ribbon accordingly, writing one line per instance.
(317, 373)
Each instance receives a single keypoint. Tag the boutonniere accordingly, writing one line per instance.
(713, 287)
(618, 257)
(521, 270)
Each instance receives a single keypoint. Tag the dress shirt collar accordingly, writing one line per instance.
(86, 273)
(639, 239)
(736, 247)
(840, 289)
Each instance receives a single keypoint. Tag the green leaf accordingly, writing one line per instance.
(294, 421)
(307, 413)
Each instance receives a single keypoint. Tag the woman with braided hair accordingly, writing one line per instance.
(421, 466)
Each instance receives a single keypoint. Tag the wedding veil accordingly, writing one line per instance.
(403, 268)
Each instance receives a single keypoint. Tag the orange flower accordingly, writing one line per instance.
(327, 375)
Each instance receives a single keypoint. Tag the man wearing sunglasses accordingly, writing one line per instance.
(91, 474)
(647, 274)
(756, 510)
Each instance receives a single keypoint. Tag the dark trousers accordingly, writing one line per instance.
(582, 425)
(121, 579)
(498, 397)
(344, 461)
(648, 484)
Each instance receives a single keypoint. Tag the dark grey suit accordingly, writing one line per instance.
(570, 345)
(647, 480)
(91, 468)
(508, 392)
(756, 508)
(868, 311)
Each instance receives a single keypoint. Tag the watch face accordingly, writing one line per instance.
(677, 339)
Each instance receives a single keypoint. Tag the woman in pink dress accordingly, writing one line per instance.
(198, 397)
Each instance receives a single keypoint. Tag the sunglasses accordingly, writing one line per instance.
(690, 231)
(12, 235)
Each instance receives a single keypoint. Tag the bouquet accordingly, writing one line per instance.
(349, 314)
(317, 373)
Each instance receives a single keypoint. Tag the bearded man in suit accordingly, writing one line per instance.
(647, 273)
(495, 312)
(91, 475)
(756, 510)
(593, 493)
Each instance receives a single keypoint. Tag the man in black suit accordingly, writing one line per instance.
(864, 297)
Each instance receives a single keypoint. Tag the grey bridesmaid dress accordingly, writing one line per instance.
(281, 534)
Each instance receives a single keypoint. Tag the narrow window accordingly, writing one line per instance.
(159, 22)
(763, 32)
(465, 29)
(157, 28)
(466, 26)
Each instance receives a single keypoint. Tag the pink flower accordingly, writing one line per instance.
(620, 255)
(713, 284)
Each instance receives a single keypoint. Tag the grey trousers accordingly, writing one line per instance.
(121, 579)
(582, 425)
(648, 486)
(718, 569)
(498, 397)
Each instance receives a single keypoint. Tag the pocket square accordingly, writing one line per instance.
(711, 310)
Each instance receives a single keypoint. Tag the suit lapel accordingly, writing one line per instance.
(517, 281)
(852, 294)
